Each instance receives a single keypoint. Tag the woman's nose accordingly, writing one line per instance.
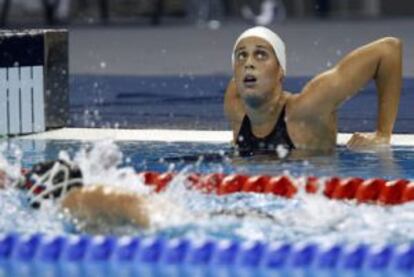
(249, 62)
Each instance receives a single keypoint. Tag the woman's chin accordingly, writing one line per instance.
(253, 98)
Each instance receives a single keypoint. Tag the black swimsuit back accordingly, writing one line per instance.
(248, 144)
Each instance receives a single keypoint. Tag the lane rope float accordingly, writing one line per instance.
(373, 190)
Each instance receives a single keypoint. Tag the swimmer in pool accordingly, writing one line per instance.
(62, 182)
(264, 117)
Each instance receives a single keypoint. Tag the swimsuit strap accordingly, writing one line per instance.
(281, 129)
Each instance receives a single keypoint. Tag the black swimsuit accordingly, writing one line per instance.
(248, 144)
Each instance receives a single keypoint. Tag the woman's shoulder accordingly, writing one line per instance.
(296, 105)
(291, 99)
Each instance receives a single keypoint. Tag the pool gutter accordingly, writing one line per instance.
(169, 135)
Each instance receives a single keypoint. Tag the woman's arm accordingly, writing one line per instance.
(381, 61)
(113, 205)
(233, 108)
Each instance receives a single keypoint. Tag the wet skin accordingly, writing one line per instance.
(256, 90)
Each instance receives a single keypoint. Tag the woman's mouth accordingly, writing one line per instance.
(249, 80)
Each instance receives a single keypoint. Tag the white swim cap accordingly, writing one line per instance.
(271, 37)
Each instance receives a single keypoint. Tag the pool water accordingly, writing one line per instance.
(392, 163)
(241, 216)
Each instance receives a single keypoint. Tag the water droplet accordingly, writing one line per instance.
(282, 151)
(328, 64)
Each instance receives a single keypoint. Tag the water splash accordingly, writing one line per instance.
(100, 164)
(306, 218)
(15, 215)
(12, 164)
(180, 211)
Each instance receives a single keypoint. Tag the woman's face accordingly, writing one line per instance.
(256, 70)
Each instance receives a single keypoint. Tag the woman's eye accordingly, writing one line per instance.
(261, 55)
(241, 56)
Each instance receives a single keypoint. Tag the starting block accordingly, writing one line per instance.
(34, 86)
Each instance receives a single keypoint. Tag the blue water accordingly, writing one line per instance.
(239, 216)
(396, 162)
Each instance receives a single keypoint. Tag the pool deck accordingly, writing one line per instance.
(169, 135)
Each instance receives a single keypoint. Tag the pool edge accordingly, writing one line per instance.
(169, 135)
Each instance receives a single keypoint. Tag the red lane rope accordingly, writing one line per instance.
(375, 191)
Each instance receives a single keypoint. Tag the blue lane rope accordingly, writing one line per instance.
(86, 255)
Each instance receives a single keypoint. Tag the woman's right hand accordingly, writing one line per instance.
(368, 140)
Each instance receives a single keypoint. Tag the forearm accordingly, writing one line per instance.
(97, 202)
(388, 81)
(380, 61)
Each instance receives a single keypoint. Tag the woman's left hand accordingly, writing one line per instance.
(367, 140)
